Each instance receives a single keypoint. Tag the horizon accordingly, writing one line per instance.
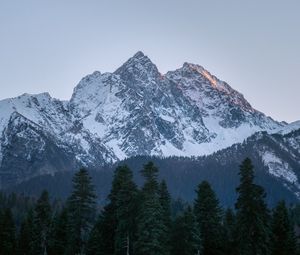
(50, 46)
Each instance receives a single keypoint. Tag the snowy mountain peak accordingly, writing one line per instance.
(138, 68)
(134, 111)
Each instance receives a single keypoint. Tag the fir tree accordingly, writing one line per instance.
(151, 226)
(115, 226)
(230, 232)
(25, 234)
(41, 225)
(209, 217)
(252, 214)
(165, 202)
(59, 233)
(95, 245)
(283, 239)
(125, 200)
(81, 212)
(7, 233)
(185, 238)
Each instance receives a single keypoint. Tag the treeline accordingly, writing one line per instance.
(140, 221)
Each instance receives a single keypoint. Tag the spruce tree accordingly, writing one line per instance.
(165, 202)
(252, 214)
(59, 233)
(209, 217)
(25, 234)
(8, 243)
(283, 239)
(114, 231)
(230, 232)
(81, 212)
(95, 245)
(150, 223)
(125, 200)
(41, 225)
(185, 238)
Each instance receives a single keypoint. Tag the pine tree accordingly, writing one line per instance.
(252, 214)
(209, 217)
(114, 229)
(165, 202)
(25, 234)
(185, 239)
(7, 233)
(41, 225)
(230, 232)
(283, 239)
(59, 233)
(96, 243)
(150, 224)
(81, 212)
(125, 200)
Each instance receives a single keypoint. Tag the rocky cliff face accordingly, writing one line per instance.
(134, 111)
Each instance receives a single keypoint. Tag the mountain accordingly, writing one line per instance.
(133, 111)
(275, 157)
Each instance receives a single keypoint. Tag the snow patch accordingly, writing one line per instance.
(278, 168)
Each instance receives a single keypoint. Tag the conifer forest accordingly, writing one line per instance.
(146, 220)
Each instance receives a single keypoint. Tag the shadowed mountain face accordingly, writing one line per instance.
(112, 116)
(275, 157)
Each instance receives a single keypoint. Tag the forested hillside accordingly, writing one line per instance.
(146, 219)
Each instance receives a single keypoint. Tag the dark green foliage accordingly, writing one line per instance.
(165, 202)
(7, 233)
(25, 235)
(209, 216)
(230, 233)
(41, 225)
(185, 237)
(150, 222)
(178, 206)
(139, 222)
(19, 205)
(252, 214)
(125, 200)
(114, 230)
(283, 239)
(59, 233)
(81, 212)
(97, 240)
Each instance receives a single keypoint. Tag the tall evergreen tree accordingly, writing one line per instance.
(125, 210)
(115, 227)
(105, 231)
(185, 238)
(59, 233)
(25, 234)
(81, 210)
(252, 214)
(283, 239)
(230, 233)
(209, 217)
(165, 202)
(150, 224)
(41, 225)
(7, 233)
(97, 239)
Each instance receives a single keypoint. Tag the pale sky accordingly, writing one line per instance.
(49, 45)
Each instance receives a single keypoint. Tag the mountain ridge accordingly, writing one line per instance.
(133, 111)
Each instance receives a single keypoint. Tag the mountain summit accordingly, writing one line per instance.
(133, 111)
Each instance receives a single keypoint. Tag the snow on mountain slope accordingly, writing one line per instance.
(138, 111)
(289, 128)
(278, 167)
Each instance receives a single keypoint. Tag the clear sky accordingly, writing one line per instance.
(49, 45)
